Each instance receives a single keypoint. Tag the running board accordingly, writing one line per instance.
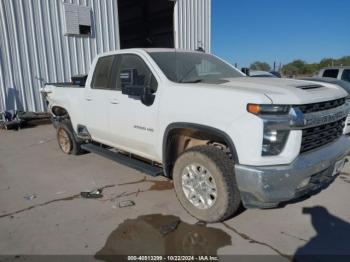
(124, 160)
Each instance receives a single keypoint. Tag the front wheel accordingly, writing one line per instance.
(205, 183)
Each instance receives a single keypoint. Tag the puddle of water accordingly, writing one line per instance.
(161, 185)
(142, 236)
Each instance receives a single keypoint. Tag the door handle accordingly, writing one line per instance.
(114, 102)
(88, 98)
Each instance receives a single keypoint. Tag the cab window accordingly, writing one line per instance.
(346, 75)
(133, 71)
(102, 74)
(333, 73)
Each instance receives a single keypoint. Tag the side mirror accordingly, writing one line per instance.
(130, 81)
(134, 90)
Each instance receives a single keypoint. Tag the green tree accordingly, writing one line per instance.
(345, 61)
(311, 68)
(300, 67)
(262, 66)
(327, 62)
(290, 70)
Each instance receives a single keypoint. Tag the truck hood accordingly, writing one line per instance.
(288, 91)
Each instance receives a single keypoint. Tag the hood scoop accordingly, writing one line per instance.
(308, 87)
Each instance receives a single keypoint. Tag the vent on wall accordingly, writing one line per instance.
(77, 20)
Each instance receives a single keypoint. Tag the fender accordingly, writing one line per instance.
(198, 127)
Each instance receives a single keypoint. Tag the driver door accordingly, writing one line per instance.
(133, 123)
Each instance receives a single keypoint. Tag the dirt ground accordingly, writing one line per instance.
(41, 211)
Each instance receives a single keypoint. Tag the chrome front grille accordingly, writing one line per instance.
(315, 137)
(316, 107)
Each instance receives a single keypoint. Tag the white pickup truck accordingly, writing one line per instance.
(224, 138)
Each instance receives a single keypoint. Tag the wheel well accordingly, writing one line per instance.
(60, 111)
(179, 139)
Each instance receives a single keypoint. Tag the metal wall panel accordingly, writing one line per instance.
(193, 24)
(33, 46)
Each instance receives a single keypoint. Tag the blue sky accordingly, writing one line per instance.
(280, 30)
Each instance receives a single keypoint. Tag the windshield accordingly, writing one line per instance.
(187, 67)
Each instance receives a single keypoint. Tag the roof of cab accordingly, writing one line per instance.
(158, 50)
(148, 50)
(336, 67)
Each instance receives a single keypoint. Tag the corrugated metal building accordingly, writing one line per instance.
(51, 40)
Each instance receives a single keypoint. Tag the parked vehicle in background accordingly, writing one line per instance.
(259, 73)
(224, 138)
(254, 73)
(345, 85)
(276, 73)
(338, 72)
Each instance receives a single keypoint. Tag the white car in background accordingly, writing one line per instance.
(338, 72)
(254, 73)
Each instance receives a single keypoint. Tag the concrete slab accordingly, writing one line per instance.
(58, 221)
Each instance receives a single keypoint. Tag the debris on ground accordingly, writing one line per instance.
(126, 203)
(164, 230)
(14, 119)
(30, 197)
(97, 193)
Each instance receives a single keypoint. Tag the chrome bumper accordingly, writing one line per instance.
(267, 186)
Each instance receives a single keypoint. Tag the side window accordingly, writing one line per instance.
(102, 74)
(333, 73)
(133, 71)
(346, 75)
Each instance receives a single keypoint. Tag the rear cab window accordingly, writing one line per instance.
(333, 73)
(346, 75)
(102, 73)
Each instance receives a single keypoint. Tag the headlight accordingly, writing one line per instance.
(268, 109)
(274, 142)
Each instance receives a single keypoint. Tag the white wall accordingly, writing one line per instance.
(33, 44)
(193, 24)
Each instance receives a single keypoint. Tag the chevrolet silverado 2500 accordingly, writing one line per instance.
(224, 138)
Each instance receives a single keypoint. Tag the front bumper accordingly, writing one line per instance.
(267, 186)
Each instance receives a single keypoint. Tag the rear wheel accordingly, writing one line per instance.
(67, 141)
(205, 183)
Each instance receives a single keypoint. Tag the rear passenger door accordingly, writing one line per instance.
(97, 98)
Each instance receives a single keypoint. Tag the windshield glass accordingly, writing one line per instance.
(187, 67)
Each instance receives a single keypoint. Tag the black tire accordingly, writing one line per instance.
(73, 144)
(221, 168)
